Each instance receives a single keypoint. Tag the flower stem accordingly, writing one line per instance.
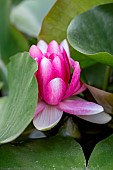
(106, 77)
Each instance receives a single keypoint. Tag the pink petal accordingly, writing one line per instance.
(35, 53)
(44, 74)
(82, 87)
(59, 68)
(53, 47)
(47, 118)
(51, 56)
(100, 118)
(73, 63)
(64, 45)
(79, 107)
(67, 64)
(74, 81)
(40, 106)
(42, 45)
(54, 91)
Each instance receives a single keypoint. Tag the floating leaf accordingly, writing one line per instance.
(101, 157)
(95, 75)
(17, 110)
(56, 23)
(50, 153)
(91, 33)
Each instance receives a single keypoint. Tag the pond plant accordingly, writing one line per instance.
(56, 84)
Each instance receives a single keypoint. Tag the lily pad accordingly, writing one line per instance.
(91, 33)
(101, 157)
(55, 24)
(50, 153)
(17, 109)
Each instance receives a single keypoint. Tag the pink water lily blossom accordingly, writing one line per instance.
(57, 85)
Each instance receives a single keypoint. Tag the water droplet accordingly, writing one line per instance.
(54, 167)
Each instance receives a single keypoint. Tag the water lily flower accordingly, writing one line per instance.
(57, 85)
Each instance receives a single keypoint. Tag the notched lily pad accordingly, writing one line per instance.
(101, 158)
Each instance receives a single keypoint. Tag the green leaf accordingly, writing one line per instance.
(56, 23)
(95, 74)
(4, 22)
(11, 41)
(101, 158)
(91, 33)
(16, 1)
(17, 110)
(50, 153)
(16, 42)
(3, 76)
(1, 85)
(28, 15)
